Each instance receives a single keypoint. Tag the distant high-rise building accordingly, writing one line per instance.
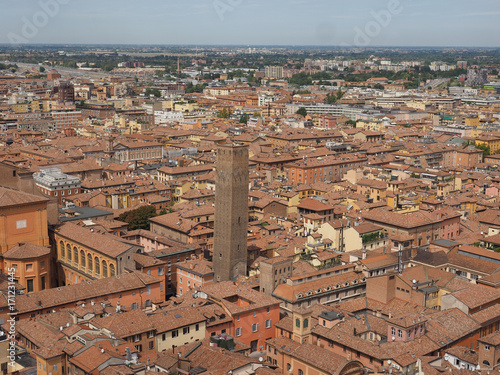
(274, 71)
(231, 212)
(477, 77)
(65, 92)
(461, 64)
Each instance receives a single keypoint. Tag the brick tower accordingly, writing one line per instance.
(231, 212)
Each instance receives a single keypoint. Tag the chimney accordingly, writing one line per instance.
(364, 254)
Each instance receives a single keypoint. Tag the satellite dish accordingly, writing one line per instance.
(393, 338)
(261, 359)
(414, 281)
(446, 357)
(389, 361)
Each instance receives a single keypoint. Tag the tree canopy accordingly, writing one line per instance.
(225, 113)
(302, 111)
(138, 218)
(243, 119)
(153, 91)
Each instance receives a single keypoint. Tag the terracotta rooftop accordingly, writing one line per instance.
(200, 267)
(294, 293)
(26, 250)
(80, 292)
(10, 197)
(477, 295)
(105, 243)
(228, 294)
(165, 321)
(324, 360)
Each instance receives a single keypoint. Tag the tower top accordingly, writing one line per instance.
(232, 145)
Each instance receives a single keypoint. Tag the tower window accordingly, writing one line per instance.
(220, 256)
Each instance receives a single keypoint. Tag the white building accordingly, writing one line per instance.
(168, 117)
(54, 183)
(267, 97)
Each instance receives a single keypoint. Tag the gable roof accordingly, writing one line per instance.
(10, 197)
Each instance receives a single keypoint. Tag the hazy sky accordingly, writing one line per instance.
(284, 22)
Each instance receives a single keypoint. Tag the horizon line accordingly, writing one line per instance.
(240, 45)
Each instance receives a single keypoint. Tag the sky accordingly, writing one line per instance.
(356, 23)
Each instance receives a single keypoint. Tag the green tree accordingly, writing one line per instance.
(108, 67)
(301, 79)
(486, 149)
(340, 94)
(302, 111)
(42, 69)
(153, 91)
(378, 86)
(331, 99)
(244, 119)
(225, 113)
(351, 122)
(138, 218)
(190, 88)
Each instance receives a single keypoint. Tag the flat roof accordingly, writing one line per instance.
(82, 213)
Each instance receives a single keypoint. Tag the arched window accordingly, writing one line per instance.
(61, 249)
(82, 258)
(306, 323)
(75, 254)
(112, 271)
(301, 372)
(89, 262)
(486, 363)
(104, 269)
(68, 251)
(297, 322)
(97, 265)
